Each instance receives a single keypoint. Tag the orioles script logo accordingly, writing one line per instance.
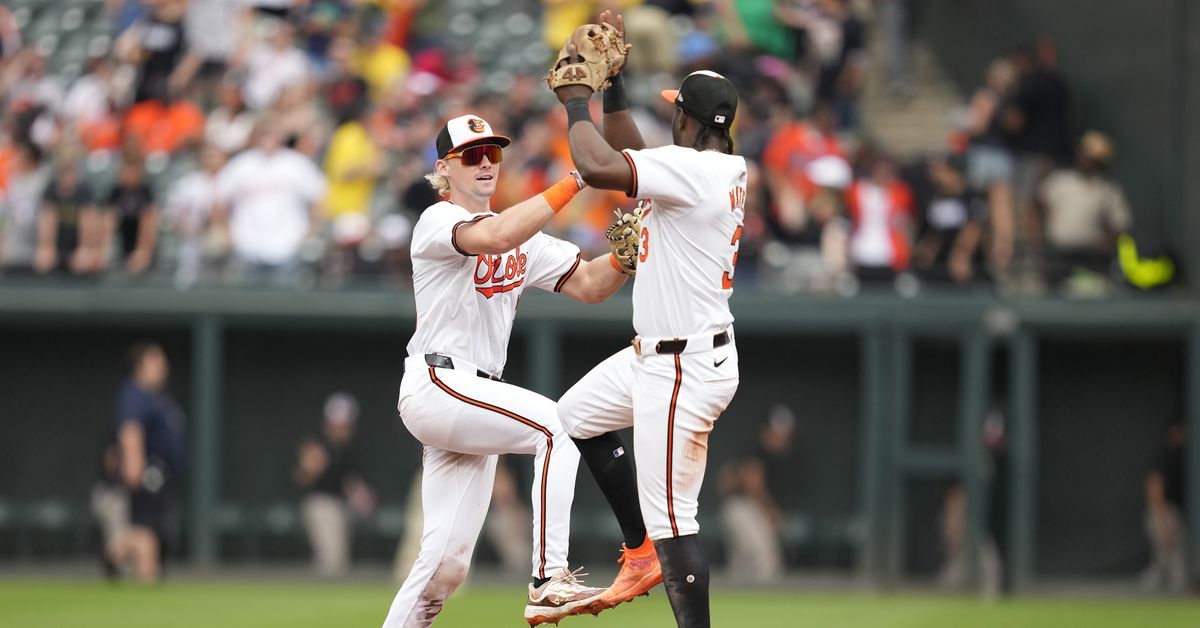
(495, 274)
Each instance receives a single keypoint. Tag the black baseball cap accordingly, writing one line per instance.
(706, 96)
(465, 132)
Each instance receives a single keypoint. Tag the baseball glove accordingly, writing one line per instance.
(600, 55)
(623, 238)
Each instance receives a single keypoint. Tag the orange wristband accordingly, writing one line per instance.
(612, 259)
(559, 194)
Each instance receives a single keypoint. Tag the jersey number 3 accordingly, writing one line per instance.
(734, 244)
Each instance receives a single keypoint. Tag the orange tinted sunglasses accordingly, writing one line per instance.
(473, 156)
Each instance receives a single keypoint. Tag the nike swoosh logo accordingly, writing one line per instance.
(718, 364)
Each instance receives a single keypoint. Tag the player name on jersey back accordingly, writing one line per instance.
(690, 238)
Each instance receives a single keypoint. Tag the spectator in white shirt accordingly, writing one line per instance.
(229, 126)
(274, 65)
(269, 205)
(189, 208)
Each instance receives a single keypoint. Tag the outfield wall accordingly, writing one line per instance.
(889, 395)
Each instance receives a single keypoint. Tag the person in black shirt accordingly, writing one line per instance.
(156, 45)
(951, 225)
(131, 203)
(1166, 512)
(327, 473)
(67, 222)
(150, 441)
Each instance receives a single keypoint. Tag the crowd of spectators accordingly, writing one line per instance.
(284, 141)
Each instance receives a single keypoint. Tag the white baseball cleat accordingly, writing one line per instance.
(559, 597)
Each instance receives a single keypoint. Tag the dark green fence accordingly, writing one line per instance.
(890, 395)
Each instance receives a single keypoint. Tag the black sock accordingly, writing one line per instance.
(685, 576)
(613, 469)
(537, 582)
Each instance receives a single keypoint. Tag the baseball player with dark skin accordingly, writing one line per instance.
(681, 371)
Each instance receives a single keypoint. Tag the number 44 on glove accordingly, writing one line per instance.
(600, 55)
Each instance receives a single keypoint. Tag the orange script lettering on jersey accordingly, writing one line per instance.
(737, 198)
(495, 274)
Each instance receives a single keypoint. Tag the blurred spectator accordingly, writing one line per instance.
(353, 164)
(150, 438)
(816, 228)
(164, 126)
(343, 88)
(750, 514)
(305, 126)
(188, 215)
(648, 28)
(1166, 516)
(507, 523)
(953, 574)
(91, 97)
(838, 42)
(753, 25)
(273, 65)
(326, 470)
(156, 45)
(270, 203)
(230, 125)
(1083, 211)
(29, 84)
(70, 225)
(1043, 105)
(213, 29)
(132, 211)
(110, 505)
(379, 61)
(881, 209)
(793, 146)
(991, 125)
(19, 205)
(952, 226)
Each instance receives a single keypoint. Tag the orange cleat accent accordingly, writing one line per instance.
(640, 572)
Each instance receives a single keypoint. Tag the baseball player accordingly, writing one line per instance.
(681, 371)
(470, 266)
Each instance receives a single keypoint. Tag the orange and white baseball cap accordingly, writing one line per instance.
(464, 132)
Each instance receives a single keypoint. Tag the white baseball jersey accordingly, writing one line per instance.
(466, 303)
(465, 309)
(686, 260)
(690, 237)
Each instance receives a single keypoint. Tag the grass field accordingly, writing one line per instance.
(309, 605)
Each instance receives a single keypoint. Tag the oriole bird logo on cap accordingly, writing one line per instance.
(475, 124)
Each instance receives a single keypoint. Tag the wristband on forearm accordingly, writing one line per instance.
(561, 193)
(577, 111)
(614, 96)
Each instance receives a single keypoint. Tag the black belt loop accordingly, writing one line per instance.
(444, 362)
(678, 345)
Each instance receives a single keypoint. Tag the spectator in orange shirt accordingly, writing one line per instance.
(164, 126)
(881, 208)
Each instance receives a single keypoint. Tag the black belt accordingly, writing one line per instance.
(444, 362)
(677, 346)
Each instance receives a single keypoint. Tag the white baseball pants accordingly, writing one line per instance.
(465, 420)
(672, 402)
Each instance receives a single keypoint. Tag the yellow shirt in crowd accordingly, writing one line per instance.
(350, 168)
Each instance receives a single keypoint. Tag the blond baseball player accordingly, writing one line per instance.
(470, 267)
(681, 371)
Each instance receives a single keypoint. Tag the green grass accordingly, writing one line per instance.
(307, 605)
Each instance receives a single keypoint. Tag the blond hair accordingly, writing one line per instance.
(440, 183)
